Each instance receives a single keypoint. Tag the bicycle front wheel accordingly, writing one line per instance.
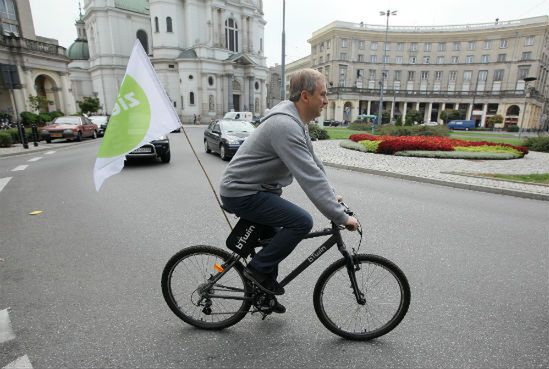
(189, 290)
(385, 289)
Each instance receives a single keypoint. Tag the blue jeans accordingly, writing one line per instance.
(270, 209)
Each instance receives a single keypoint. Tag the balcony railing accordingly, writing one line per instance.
(18, 44)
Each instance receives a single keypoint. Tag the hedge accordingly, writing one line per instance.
(538, 143)
(5, 139)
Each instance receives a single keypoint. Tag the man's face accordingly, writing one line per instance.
(318, 100)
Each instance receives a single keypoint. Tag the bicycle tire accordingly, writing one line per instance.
(201, 258)
(330, 309)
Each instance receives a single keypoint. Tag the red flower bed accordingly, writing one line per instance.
(391, 144)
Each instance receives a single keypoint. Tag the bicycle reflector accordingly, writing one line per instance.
(218, 268)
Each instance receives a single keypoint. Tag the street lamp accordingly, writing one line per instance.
(526, 80)
(387, 13)
(283, 61)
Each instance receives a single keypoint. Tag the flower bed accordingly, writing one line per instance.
(390, 145)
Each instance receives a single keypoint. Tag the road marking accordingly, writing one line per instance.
(49, 152)
(35, 159)
(21, 167)
(21, 363)
(6, 333)
(3, 182)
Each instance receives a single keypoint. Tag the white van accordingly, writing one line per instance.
(239, 115)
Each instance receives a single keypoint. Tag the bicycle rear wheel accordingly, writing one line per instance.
(385, 289)
(189, 292)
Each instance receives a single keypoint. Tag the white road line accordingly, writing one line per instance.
(49, 152)
(21, 363)
(21, 167)
(35, 159)
(6, 333)
(3, 182)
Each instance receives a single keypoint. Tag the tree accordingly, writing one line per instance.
(89, 104)
(413, 116)
(495, 119)
(39, 103)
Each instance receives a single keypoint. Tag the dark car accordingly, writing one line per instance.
(101, 121)
(70, 128)
(225, 136)
(156, 149)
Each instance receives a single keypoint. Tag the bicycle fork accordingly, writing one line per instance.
(351, 271)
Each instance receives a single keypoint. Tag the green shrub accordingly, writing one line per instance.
(360, 126)
(351, 145)
(540, 144)
(503, 149)
(29, 118)
(457, 155)
(5, 139)
(371, 146)
(317, 133)
(56, 113)
(393, 130)
(513, 128)
(44, 118)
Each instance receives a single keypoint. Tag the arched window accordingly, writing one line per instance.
(169, 27)
(143, 38)
(191, 98)
(156, 28)
(231, 35)
(7, 9)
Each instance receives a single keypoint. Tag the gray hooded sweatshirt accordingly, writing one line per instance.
(276, 152)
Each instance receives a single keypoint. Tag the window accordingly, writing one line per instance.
(360, 73)
(502, 58)
(211, 103)
(373, 58)
(412, 60)
(523, 72)
(386, 59)
(426, 60)
(413, 46)
(453, 75)
(455, 59)
(427, 46)
(469, 59)
(343, 56)
(398, 59)
(156, 28)
(440, 59)
(328, 43)
(442, 46)
(529, 41)
(361, 45)
(527, 55)
(503, 43)
(7, 9)
(231, 35)
(467, 75)
(322, 46)
(191, 98)
(372, 75)
(360, 57)
(169, 27)
(344, 42)
(9, 28)
(424, 75)
(373, 46)
(438, 75)
(411, 75)
(471, 45)
(485, 58)
(342, 75)
(387, 46)
(142, 37)
(400, 46)
(487, 44)
(482, 75)
(457, 46)
(397, 75)
(498, 75)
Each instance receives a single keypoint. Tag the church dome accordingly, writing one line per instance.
(79, 50)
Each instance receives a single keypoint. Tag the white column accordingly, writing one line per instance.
(404, 112)
(484, 110)
(392, 110)
(369, 106)
(244, 35)
(429, 111)
(469, 112)
(417, 106)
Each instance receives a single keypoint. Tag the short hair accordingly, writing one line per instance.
(304, 80)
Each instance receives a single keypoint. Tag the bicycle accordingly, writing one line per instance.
(358, 297)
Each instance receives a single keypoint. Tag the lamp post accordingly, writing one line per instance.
(526, 80)
(387, 13)
(283, 62)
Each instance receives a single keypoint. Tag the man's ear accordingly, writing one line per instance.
(305, 96)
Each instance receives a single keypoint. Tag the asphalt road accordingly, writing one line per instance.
(82, 279)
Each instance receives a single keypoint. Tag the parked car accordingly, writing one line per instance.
(239, 115)
(332, 122)
(225, 136)
(462, 124)
(101, 121)
(156, 149)
(429, 124)
(69, 128)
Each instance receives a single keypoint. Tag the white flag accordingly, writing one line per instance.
(142, 113)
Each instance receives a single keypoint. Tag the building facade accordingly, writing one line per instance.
(480, 69)
(30, 65)
(208, 54)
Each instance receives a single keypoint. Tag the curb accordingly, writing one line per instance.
(499, 191)
(48, 148)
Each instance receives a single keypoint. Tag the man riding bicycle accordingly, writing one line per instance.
(276, 152)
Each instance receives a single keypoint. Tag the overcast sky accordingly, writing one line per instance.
(55, 18)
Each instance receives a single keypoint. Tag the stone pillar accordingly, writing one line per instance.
(221, 25)
(417, 106)
(243, 34)
(429, 111)
(369, 106)
(469, 112)
(484, 111)
(230, 91)
(404, 112)
(392, 111)
(251, 93)
(443, 108)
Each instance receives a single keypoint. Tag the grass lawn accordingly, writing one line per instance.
(541, 178)
(336, 133)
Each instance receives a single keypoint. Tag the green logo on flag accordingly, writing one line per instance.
(129, 122)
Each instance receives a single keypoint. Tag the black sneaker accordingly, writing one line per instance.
(274, 305)
(263, 281)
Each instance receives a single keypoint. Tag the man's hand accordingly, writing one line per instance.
(352, 224)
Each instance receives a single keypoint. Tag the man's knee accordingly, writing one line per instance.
(306, 223)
